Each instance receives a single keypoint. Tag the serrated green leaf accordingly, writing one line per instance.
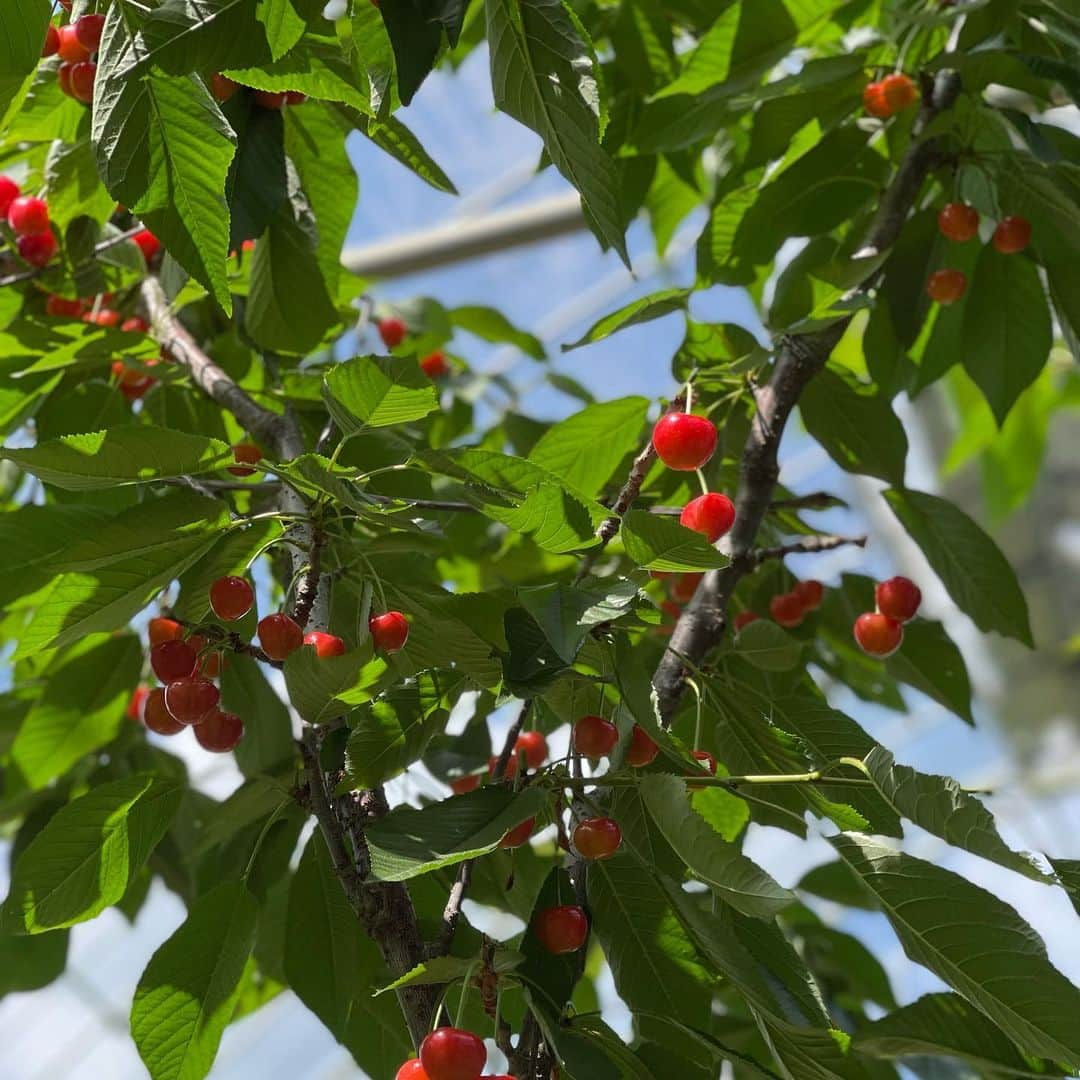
(644, 309)
(20, 48)
(392, 136)
(768, 646)
(551, 516)
(660, 543)
(184, 35)
(84, 858)
(189, 990)
(377, 391)
(325, 688)
(931, 662)
(267, 746)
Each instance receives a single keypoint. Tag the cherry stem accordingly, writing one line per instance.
(703, 482)
(697, 722)
(463, 1000)
(688, 404)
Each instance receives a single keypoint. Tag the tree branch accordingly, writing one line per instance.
(809, 546)
(104, 245)
(799, 359)
(308, 588)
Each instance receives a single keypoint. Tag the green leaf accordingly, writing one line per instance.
(931, 662)
(286, 21)
(393, 731)
(84, 858)
(768, 646)
(1007, 331)
(732, 876)
(542, 75)
(584, 449)
(184, 35)
(491, 325)
(532, 664)
(81, 707)
(392, 136)
(30, 963)
(267, 745)
(661, 543)
(188, 992)
(408, 842)
(325, 688)
(550, 515)
(20, 47)
(856, 426)
(945, 1024)
(129, 454)
(976, 943)
(164, 150)
(973, 569)
(72, 186)
(549, 979)
(644, 309)
(1068, 873)
(834, 881)
(416, 38)
(444, 969)
(378, 391)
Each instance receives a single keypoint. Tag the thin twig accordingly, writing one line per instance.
(808, 546)
(27, 275)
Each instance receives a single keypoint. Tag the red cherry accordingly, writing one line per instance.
(389, 631)
(711, 515)
(103, 317)
(173, 660)
(191, 698)
(946, 286)
(561, 929)
(685, 586)
(461, 785)
(786, 609)
(452, 1054)
(222, 87)
(161, 629)
(147, 243)
(135, 325)
(133, 383)
(325, 644)
(899, 91)
(958, 222)
(745, 618)
(434, 365)
(899, 598)
(52, 41)
(247, 245)
(63, 308)
(669, 607)
(270, 99)
(595, 737)
(82, 81)
(511, 766)
(63, 77)
(412, 1070)
(683, 441)
(534, 746)
(392, 331)
(136, 702)
(248, 453)
(1012, 234)
(28, 216)
(231, 598)
(88, 31)
(597, 838)
(38, 249)
(708, 761)
(874, 101)
(157, 717)
(877, 634)
(294, 97)
(9, 192)
(70, 47)
(209, 664)
(219, 731)
(642, 749)
(279, 636)
(810, 594)
(519, 834)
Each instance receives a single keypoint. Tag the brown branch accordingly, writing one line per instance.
(811, 545)
(308, 588)
(799, 359)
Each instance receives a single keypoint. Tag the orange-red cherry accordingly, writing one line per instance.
(595, 737)
(191, 698)
(325, 644)
(685, 586)
(744, 619)
(37, 249)
(82, 79)
(173, 659)
(147, 243)
(597, 838)
(946, 286)
(219, 731)
(899, 92)
(877, 634)
(561, 929)
(534, 746)
(270, 99)
(642, 749)
(389, 631)
(683, 441)
(1012, 234)
(712, 515)
(434, 365)
(787, 609)
(136, 702)
(899, 598)
(70, 47)
(412, 1070)
(244, 454)
(392, 331)
(453, 1054)
(875, 102)
(462, 785)
(28, 216)
(88, 30)
(958, 222)
(707, 761)
(519, 834)
(222, 87)
(161, 629)
(52, 41)
(231, 598)
(810, 594)
(157, 717)
(279, 636)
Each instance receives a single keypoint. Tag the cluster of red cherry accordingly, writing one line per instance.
(959, 223)
(394, 331)
(187, 665)
(881, 632)
(449, 1054)
(28, 218)
(890, 95)
(76, 42)
(223, 88)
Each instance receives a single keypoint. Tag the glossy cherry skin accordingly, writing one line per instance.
(325, 644)
(295, 97)
(190, 699)
(810, 594)
(63, 77)
(685, 586)
(147, 243)
(70, 47)
(136, 702)
(28, 216)
(103, 317)
(561, 929)
(511, 766)
(222, 87)
(412, 1070)
(38, 249)
(642, 750)
(899, 92)
(519, 834)
(161, 629)
(684, 442)
(270, 99)
(461, 785)
(434, 365)
(595, 737)
(877, 634)
(9, 192)
(157, 717)
(707, 761)
(173, 660)
(744, 619)
(786, 609)
(279, 636)
(946, 286)
(392, 331)
(958, 222)
(711, 515)
(52, 41)
(231, 598)
(534, 746)
(133, 382)
(88, 31)
(874, 101)
(453, 1054)
(219, 731)
(63, 308)
(135, 325)
(389, 631)
(245, 452)
(597, 838)
(1012, 234)
(899, 598)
